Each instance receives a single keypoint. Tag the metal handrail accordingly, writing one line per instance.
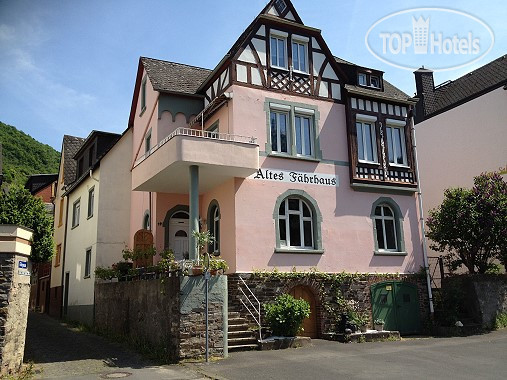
(199, 133)
(253, 307)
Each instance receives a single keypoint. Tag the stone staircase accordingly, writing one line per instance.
(242, 336)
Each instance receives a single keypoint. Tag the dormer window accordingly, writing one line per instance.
(361, 80)
(278, 46)
(374, 81)
(368, 80)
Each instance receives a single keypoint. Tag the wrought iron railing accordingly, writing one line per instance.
(199, 133)
(251, 303)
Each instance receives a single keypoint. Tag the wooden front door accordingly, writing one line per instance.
(143, 241)
(310, 323)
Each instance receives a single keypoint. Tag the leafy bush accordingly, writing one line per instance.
(501, 321)
(286, 315)
(471, 224)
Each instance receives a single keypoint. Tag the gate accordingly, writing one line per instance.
(397, 303)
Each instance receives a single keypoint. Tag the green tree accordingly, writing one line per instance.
(19, 207)
(471, 224)
(286, 315)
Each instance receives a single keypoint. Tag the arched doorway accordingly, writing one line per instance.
(310, 323)
(143, 241)
(178, 234)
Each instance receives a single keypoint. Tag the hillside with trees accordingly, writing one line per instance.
(24, 156)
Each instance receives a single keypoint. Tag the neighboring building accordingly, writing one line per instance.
(290, 156)
(461, 129)
(42, 186)
(66, 176)
(98, 215)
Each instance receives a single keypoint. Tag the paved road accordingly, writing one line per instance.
(60, 352)
(475, 357)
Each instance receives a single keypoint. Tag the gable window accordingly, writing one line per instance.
(368, 80)
(297, 223)
(76, 208)
(60, 213)
(279, 131)
(387, 227)
(299, 57)
(147, 143)
(88, 263)
(366, 140)
(91, 200)
(214, 226)
(396, 149)
(278, 48)
(143, 95)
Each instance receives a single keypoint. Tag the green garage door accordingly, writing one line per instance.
(397, 303)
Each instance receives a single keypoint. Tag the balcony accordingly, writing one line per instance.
(220, 156)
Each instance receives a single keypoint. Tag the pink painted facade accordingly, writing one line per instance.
(241, 106)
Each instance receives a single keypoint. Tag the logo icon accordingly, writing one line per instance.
(420, 29)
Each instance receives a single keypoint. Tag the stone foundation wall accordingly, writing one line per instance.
(166, 313)
(14, 298)
(484, 296)
(323, 287)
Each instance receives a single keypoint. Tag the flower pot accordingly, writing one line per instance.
(379, 327)
(364, 328)
(196, 271)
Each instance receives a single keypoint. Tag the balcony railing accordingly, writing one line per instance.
(199, 133)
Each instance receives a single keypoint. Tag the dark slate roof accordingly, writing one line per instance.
(71, 145)
(37, 182)
(471, 85)
(174, 77)
(390, 92)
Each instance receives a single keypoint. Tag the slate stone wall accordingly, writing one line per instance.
(484, 296)
(168, 313)
(14, 297)
(266, 288)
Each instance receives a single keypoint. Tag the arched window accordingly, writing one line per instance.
(214, 227)
(297, 221)
(146, 221)
(387, 227)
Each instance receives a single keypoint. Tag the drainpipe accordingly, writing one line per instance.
(64, 253)
(421, 213)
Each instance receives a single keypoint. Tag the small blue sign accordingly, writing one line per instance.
(22, 264)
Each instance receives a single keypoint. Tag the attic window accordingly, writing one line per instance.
(374, 81)
(280, 6)
(368, 80)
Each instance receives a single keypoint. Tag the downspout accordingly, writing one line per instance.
(421, 218)
(64, 252)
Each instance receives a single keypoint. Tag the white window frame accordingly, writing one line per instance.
(378, 81)
(312, 135)
(390, 125)
(300, 41)
(370, 121)
(143, 94)
(279, 36)
(216, 226)
(383, 218)
(88, 263)
(76, 211)
(91, 202)
(302, 219)
(147, 143)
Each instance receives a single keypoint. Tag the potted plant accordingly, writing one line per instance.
(362, 320)
(379, 324)
(203, 239)
(217, 265)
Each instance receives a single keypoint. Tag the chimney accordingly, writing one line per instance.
(425, 88)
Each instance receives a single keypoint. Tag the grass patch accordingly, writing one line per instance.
(27, 372)
(501, 321)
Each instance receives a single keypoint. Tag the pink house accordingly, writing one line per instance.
(288, 155)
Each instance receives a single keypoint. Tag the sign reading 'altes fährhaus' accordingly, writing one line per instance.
(296, 177)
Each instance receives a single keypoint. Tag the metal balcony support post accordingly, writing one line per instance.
(194, 210)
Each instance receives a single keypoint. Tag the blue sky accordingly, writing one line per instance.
(68, 67)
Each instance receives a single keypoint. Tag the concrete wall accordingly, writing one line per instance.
(14, 295)
(168, 315)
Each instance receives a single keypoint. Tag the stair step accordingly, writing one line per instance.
(237, 321)
(234, 314)
(242, 333)
(244, 347)
(241, 341)
(239, 327)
